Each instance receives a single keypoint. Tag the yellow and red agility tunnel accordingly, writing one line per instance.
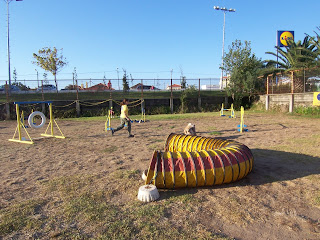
(194, 161)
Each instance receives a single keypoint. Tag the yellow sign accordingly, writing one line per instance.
(316, 98)
(286, 36)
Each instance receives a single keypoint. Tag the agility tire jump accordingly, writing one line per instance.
(17, 136)
(31, 122)
(194, 161)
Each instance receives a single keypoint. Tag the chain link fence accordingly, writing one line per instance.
(106, 85)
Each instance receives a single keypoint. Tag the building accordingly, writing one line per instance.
(210, 87)
(174, 87)
(100, 87)
(145, 87)
(225, 82)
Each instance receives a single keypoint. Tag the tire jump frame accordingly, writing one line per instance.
(20, 124)
(194, 161)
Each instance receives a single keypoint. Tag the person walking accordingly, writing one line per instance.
(124, 118)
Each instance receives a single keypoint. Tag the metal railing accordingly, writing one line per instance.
(101, 85)
(297, 81)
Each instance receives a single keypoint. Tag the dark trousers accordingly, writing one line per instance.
(122, 123)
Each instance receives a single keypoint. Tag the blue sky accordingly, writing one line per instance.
(148, 38)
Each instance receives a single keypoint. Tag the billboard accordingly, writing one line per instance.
(283, 36)
(316, 98)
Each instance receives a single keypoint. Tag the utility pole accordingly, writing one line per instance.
(8, 45)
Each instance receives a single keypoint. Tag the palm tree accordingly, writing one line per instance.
(315, 41)
(296, 55)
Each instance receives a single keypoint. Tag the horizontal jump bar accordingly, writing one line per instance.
(32, 102)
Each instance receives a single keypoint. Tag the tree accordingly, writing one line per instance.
(183, 79)
(296, 55)
(15, 75)
(243, 67)
(187, 93)
(125, 81)
(315, 41)
(21, 86)
(183, 82)
(45, 78)
(50, 60)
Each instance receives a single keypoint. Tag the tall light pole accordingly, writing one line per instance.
(223, 36)
(37, 77)
(8, 42)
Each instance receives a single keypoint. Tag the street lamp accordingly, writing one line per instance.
(37, 77)
(224, 25)
(8, 42)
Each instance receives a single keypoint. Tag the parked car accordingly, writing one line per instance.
(14, 88)
(47, 88)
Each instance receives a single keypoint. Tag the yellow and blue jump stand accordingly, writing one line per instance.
(143, 115)
(242, 126)
(107, 125)
(231, 109)
(20, 125)
(52, 120)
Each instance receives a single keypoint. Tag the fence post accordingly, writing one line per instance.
(7, 111)
(292, 83)
(267, 101)
(291, 103)
(171, 104)
(143, 105)
(43, 107)
(78, 108)
(110, 104)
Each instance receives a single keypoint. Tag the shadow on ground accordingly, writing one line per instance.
(269, 166)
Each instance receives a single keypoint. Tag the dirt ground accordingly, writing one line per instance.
(279, 199)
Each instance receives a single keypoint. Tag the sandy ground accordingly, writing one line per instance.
(278, 200)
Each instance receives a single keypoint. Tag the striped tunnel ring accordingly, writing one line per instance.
(194, 161)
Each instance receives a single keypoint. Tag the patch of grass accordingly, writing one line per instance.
(185, 198)
(156, 140)
(159, 117)
(157, 146)
(313, 112)
(79, 209)
(68, 186)
(212, 131)
(89, 207)
(121, 228)
(300, 146)
(159, 128)
(110, 149)
(317, 199)
(127, 174)
(215, 133)
(21, 216)
(150, 212)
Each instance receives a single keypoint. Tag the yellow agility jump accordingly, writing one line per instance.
(231, 109)
(21, 126)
